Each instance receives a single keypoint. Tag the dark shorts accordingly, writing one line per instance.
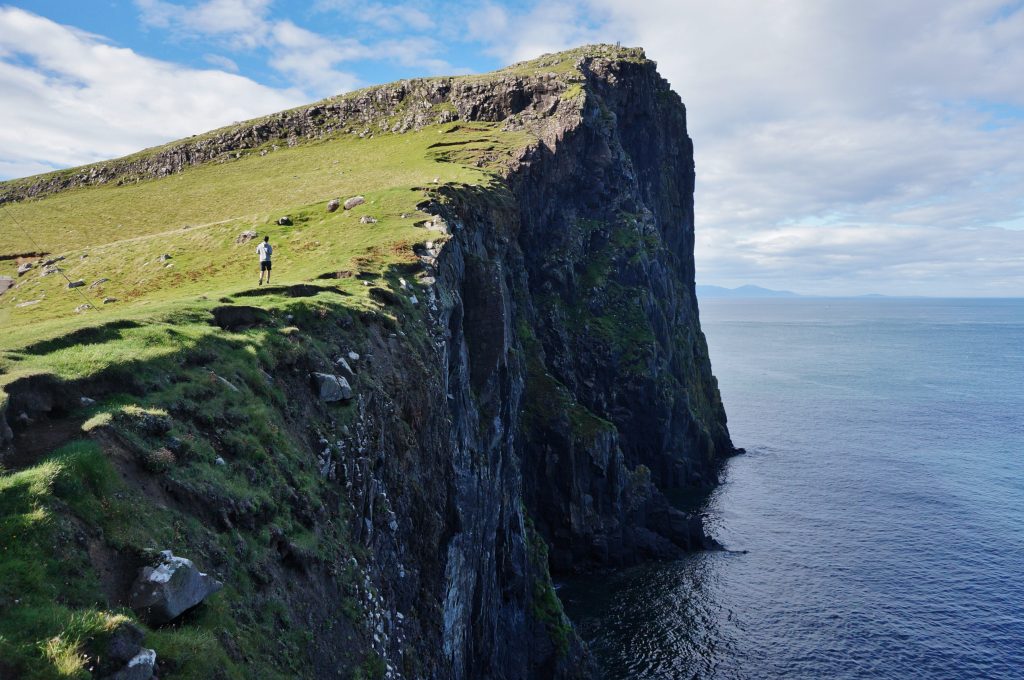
(265, 266)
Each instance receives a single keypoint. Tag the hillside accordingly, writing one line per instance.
(489, 367)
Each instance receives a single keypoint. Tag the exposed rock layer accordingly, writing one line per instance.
(561, 382)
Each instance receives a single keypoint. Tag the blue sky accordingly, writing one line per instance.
(841, 147)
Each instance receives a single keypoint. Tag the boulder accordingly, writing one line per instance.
(285, 221)
(246, 236)
(164, 592)
(163, 258)
(333, 205)
(50, 269)
(341, 363)
(331, 388)
(53, 261)
(354, 201)
(139, 667)
(366, 219)
(83, 307)
(107, 300)
(76, 284)
(97, 282)
(124, 657)
(24, 268)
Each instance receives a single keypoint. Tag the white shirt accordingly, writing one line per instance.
(265, 251)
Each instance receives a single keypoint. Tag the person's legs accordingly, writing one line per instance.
(268, 273)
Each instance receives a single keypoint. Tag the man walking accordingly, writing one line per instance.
(265, 250)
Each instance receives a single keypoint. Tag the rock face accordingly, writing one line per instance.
(330, 388)
(164, 592)
(550, 383)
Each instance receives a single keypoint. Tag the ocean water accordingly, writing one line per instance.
(877, 521)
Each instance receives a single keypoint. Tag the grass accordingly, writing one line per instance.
(187, 405)
(196, 217)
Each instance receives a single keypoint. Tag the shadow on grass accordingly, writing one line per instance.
(297, 290)
(86, 336)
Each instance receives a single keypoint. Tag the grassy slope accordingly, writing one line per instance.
(158, 339)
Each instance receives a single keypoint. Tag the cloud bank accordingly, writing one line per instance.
(841, 147)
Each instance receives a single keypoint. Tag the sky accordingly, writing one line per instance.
(841, 147)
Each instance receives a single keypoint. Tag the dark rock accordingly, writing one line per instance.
(164, 592)
(163, 258)
(354, 201)
(333, 205)
(76, 284)
(24, 268)
(330, 388)
(124, 657)
(53, 261)
(108, 300)
(285, 221)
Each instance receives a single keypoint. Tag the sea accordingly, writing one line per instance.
(875, 526)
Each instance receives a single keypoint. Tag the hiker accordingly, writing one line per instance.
(265, 250)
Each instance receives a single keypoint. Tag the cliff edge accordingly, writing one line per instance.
(487, 368)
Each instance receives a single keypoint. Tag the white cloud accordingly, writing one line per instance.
(71, 98)
(243, 22)
(222, 62)
(392, 18)
(310, 59)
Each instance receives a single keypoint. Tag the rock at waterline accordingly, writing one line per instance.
(164, 592)
(354, 201)
(331, 388)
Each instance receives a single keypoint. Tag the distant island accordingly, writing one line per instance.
(747, 291)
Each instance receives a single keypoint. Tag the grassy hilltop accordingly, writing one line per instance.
(81, 493)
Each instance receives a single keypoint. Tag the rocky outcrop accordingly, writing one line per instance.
(167, 590)
(522, 400)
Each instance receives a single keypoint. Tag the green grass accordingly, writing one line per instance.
(197, 215)
(156, 344)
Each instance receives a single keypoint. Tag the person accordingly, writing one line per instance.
(265, 250)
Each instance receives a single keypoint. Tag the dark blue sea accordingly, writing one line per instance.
(879, 509)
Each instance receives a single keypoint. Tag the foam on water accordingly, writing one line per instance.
(881, 503)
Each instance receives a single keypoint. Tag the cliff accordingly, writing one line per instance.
(519, 335)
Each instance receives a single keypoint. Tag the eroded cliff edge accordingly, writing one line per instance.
(526, 413)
